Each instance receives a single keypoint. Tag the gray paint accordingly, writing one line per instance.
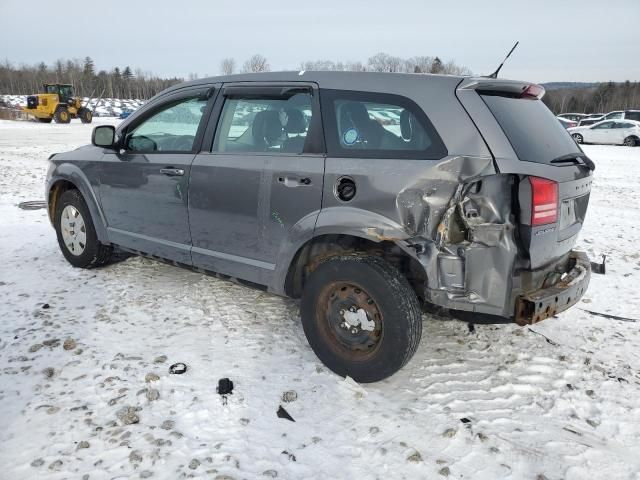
(244, 215)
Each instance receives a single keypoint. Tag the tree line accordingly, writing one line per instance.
(380, 62)
(601, 98)
(116, 83)
(124, 82)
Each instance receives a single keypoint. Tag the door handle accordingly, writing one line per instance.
(172, 172)
(293, 181)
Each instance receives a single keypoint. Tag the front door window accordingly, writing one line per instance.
(172, 129)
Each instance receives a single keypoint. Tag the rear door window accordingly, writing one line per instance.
(532, 130)
(266, 122)
(376, 125)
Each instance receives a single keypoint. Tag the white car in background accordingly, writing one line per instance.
(613, 132)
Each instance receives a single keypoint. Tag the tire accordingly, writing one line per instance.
(45, 120)
(62, 115)
(630, 142)
(578, 138)
(392, 323)
(85, 115)
(84, 251)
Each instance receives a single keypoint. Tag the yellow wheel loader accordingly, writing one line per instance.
(57, 103)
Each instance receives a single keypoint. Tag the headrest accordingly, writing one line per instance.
(354, 114)
(266, 127)
(296, 122)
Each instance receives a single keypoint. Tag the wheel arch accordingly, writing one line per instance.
(70, 177)
(312, 252)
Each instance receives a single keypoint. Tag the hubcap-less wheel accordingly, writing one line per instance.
(577, 137)
(74, 233)
(350, 320)
(630, 142)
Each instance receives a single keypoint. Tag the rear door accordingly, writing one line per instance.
(526, 139)
(258, 180)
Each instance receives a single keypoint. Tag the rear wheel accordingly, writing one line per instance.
(85, 115)
(630, 142)
(361, 317)
(76, 234)
(45, 120)
(578, 138)
(62, 115)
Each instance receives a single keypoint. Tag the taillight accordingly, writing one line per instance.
(544, 201)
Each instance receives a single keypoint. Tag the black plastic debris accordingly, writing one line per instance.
(178, 368)
(225, 387)
(282, 413)
(45, 306)
(465, 420)
(600, 268)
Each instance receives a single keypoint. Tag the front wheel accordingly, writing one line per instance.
(361, 317)
(578, 138)
(76, 234)
(630, 142)
(62, 115)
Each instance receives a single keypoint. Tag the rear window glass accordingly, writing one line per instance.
(378, 125)
(632, 116)
(532, 130)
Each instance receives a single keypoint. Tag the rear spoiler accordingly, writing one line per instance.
(507, 88)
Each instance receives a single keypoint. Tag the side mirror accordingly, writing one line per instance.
(103, 136)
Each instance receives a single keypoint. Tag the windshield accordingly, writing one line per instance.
(533, 131)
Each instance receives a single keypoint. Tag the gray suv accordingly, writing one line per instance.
(368, 196)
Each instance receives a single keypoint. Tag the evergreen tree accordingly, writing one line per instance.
(88, 69)
(437, 66)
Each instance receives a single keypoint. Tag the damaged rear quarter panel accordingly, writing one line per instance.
(454, 212)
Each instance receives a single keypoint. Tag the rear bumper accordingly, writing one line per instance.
(538, 305)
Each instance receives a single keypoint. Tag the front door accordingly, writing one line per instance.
(144, 186)
(260, 182)
(601, 133)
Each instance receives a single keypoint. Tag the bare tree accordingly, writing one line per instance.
(418, 64)
(228, 66)
(383, 62)
(257, 63)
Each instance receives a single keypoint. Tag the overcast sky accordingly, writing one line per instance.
(560, 40)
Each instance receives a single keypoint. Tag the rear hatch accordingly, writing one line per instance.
(554, 174)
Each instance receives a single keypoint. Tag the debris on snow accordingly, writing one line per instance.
(177, 368)
(282, 413)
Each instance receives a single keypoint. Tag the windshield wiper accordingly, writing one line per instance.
(576, 158)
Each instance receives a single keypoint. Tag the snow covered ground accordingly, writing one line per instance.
(77, 347)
